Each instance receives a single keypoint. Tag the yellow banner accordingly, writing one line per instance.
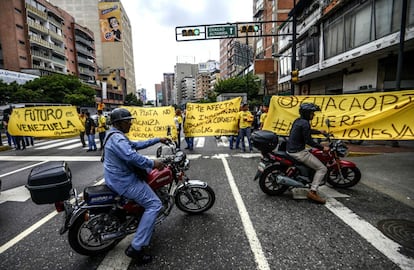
(45, 122)
(151, 122)
(373, 116)
(209, 119)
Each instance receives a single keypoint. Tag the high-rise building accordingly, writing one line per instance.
(113, 39)
(39, 38)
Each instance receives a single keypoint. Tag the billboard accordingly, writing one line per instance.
(110, 21)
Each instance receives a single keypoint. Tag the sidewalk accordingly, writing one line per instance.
(380, 147)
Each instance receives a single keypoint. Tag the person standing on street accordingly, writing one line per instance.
(263, 115)
(121, 161)
(299, 137)
(90, 132)
(245, 120)
(82, 118)
(101, 128)
(178, 120)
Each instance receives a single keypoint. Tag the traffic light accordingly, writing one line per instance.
(294, 76)
(250, 28)
(190, 32)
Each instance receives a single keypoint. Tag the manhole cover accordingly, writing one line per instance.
(399, 230)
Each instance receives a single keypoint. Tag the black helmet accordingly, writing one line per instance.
(120, 114)
(307, 108)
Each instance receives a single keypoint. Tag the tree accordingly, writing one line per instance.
(59, 88)
(132, 100)
(249, 84)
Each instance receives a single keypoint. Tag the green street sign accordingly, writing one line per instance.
(221, 31)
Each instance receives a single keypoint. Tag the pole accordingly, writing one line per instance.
(292, 84)
(401, 45)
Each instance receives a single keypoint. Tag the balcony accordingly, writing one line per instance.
(42, 55)
(55, 36)
(57, 49)
(40, 41)
(36, 12)
(37, 27)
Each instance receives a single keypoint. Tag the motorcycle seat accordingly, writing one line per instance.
(99, 194)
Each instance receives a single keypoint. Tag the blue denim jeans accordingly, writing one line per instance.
(142, 194)
(245, 132)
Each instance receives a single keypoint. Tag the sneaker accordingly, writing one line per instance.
(139, 255)
(313, 196)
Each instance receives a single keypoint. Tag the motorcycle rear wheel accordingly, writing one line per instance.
(351, 175)
(195, 200)
(268, 183)
(84, 237)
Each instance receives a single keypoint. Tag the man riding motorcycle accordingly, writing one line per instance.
(299, 137)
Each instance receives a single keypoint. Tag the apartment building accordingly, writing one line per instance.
(38, 38)
(349, 46)
(110, 24)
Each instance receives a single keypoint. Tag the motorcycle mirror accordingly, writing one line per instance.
(168, 131)
(159, 151)
(328, 123)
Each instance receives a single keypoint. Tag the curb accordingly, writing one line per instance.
(361, 154)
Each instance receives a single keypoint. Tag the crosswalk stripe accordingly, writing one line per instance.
(56, 144)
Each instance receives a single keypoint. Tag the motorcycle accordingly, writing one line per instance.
(278, 171)
(97, 221)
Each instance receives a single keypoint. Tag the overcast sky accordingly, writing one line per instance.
(153, 32)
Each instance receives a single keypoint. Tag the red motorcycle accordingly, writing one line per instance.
(101, 218)
(278, 171)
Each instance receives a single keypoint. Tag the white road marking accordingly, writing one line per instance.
(34, 227)
(385, 245)
(116, 258)
(21, 169)
(199, 142)
(254, 242)
(18, 194)
(56, 144)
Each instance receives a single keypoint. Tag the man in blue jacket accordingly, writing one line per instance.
(121, 161)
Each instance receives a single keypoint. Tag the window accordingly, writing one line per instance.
(334, 38)
(358, 27)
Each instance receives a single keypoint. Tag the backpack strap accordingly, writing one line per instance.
(104, 143)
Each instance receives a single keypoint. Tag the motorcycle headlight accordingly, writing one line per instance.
(180, 156)
(341, 149)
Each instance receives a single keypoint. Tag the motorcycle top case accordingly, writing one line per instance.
(50, 182)
(264, 140)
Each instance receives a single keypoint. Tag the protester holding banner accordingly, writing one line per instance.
(178, 120)
(101, 128)
(90, 132)
(299, 137)
(245, 120)
(82, 118)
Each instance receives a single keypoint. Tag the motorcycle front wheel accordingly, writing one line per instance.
(351, 177)
(195, 199)
(268, 182)
(84, 236)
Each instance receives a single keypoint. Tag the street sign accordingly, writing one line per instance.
(221, 31)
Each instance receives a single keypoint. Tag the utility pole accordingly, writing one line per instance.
(293, 64)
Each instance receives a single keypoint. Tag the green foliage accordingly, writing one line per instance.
(132, 100)
(54, 88)
(249, 84)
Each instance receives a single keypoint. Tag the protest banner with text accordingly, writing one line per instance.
(373, 116)
(45, 122)
(151, 122)
(209, 119)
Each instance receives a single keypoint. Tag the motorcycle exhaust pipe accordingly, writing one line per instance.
(112, 236)
(287, 181)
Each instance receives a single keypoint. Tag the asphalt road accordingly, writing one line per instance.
(245, 229)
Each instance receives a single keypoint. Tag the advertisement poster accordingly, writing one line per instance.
(110, 21)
